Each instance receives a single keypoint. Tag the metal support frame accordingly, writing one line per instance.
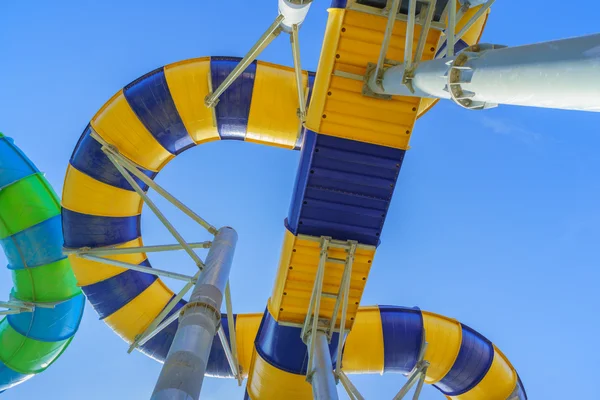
(450, 40)
(183, 371)
(113, 251)
(230, 349)
(353, 393)
(298, 73)
(139, 268)
(270, 34)
(317, 332)
(391, 9)
(15, 306)
(559, 74)
(129, 169)
(417, 375)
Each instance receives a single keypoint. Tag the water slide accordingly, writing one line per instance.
(45, 304)
(352, 150)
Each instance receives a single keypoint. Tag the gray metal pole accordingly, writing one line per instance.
(561, 74)
(322, 379)
(183, 371)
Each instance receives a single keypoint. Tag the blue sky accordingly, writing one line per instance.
(495, 219)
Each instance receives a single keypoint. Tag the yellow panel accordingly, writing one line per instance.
(325, 68)
(343, 111)
(89, 272)
(267, 382)
(300, 278)
(274, 302)
(444, 336)
(273, 116)
(363, 350)
(246, 327)
(188, 84)
(134, 317)
(87, 195)
(118, 125)
(497, 384)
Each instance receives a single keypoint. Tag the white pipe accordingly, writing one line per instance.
(561, 74)
(294, 12)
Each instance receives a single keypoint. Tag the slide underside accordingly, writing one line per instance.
(31, 237)
(351, 154)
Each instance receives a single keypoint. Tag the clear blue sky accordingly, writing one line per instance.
(495, 220)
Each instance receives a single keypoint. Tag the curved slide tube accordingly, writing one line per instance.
(385, 339)
(30, 234)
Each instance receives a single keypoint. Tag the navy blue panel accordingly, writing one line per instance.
(343, 188)
(460, 45)
(83, 230)
(158, 347)
(112, 294)
(311, 84)
(339, 3)
(14, 165)
(246, 395)
(35, 246)
(233, 108)
(473, 362)
(282, 347)
(89, 158)
(402, 337)
(150, 99)
(50, 324)
(10, 377)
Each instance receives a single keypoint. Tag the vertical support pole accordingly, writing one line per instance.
(182, 373)
(450, 40)
(322, 379)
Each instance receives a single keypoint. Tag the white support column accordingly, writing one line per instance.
(321, 379)
(561, 74)
(183, 372)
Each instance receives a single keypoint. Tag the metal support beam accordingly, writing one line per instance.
(410, 33)
(158, 329)
(271, 33)
(345, 295)
(230, 349)
(392, 10)
(115, 159)
(321, 376)
(139, 268)
(473, 19)
(417, 375)
(425, 30)
(298, 72)
(561, 74)
(133, 169)
(353, 393)
(113, 251)
(450, 40)
(183, 372)
(152, 329)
